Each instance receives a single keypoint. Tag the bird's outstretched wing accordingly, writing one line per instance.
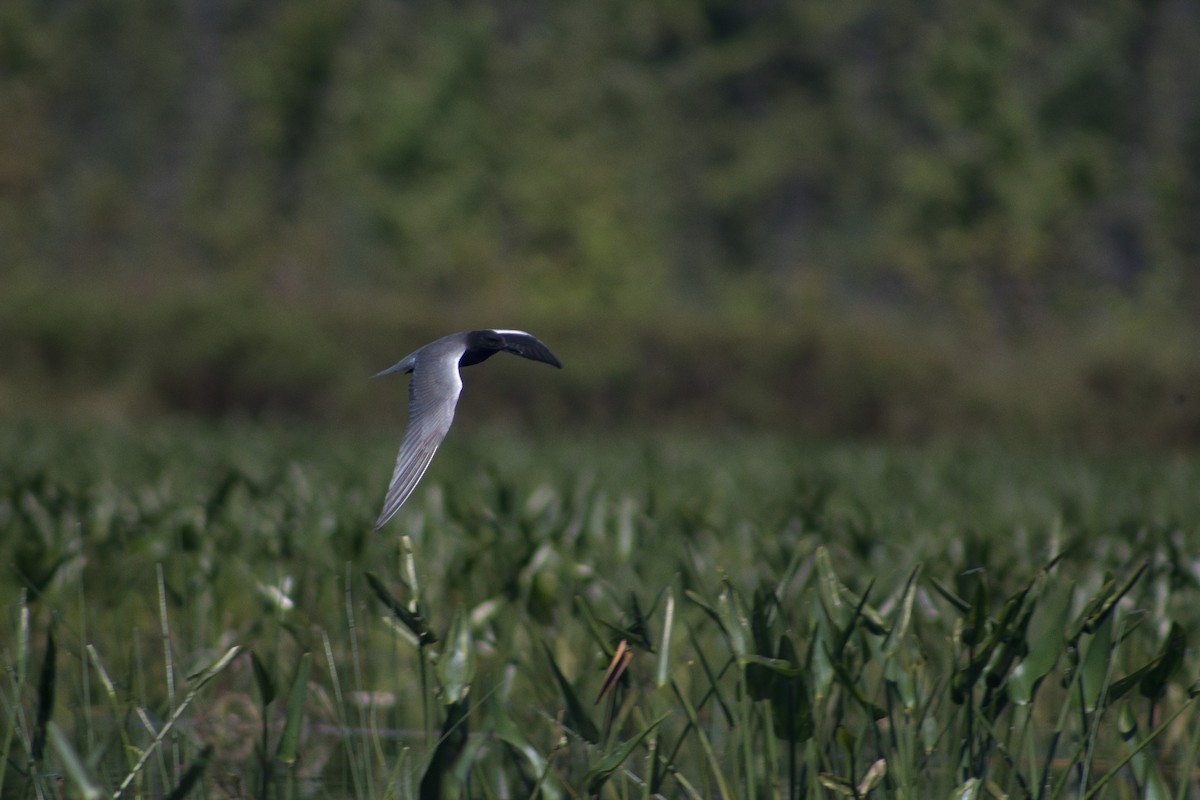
(432, 396)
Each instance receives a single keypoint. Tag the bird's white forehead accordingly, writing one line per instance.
(509, 333)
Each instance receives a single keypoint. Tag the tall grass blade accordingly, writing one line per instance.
(577, 718)
(263, 680)
(197, 683)
(663, 671)
(1096, 667)
(450, 745)
(191, 776)
(289, 742)
(606, 766)
(77, 773)
(790, 705)
(903, 616)
(713, 763)
(1116, 768)
(1145, 770)
(45, 697)
(1154, 683)
(734, 621)
(508, 732)
(169, 661)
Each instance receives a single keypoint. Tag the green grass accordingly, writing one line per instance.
(205, 611)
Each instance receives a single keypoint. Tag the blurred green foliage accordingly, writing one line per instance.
(795, 614)
(930, 218)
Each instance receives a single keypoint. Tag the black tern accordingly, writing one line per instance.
(433, 393)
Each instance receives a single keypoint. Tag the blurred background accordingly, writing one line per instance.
(897, 220)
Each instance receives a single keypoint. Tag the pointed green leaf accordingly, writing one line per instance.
(790, 707)
(456, 667)
(903, 616)
(960, 605)
(199, 679)
(45, 705)
(507, 731)
(1094, 670)
(975, 621)
(1046, 643)
(733, 620)
(837, 784)
(289, 742)
(1145, 769)
(663, 671)
(412, 620)
(1169, 657)
(839, 598)
(847, 681)
(602, 631)
(450, 745)
(774, 665)
(192, 775)
(577, 718)
(874, 774)
(262, 678)
(605, 767)
(1104, 602)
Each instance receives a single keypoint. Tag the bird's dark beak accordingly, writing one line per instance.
(531, 348)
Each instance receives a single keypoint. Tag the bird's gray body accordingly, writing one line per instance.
(433, 395)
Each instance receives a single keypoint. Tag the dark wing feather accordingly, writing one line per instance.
(526, 346)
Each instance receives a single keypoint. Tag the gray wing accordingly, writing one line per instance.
(432, 395)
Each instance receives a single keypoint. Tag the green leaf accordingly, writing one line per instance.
(577, 718)
(606, 766)
(1106, 600)
(1145, 769)
(450, 745)
(47, 681)
(1154, 684)
(872, 777)
(975, 621)
(77, 773)
(412, 620)
(903, 616)
(775, 665)
(847, 681)
(758, 682)
(663, 671)
(733, 621)
(266, 686)
(1047, 642)
(837, 784)
(456, 667)
(603, 632)
(507, 731)
(839, 598)
(790, 706)
(289, 742)
(1095, 670)
(192, 775)
(199, 679)
(960, 605)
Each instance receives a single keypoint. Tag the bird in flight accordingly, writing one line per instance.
(433, 394)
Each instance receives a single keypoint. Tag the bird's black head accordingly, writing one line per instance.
(483, 344)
